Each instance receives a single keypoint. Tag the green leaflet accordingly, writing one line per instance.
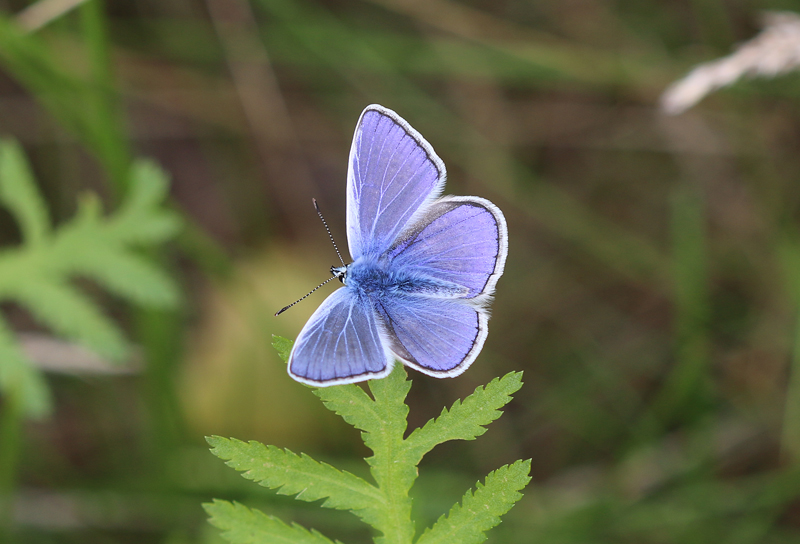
(141, 218)
(298, 475)
(384, 505)
(466, 420)
(481, 510)
(38, 274)
(283, 346)
(245, 526)
(18, 193)
(69, 313)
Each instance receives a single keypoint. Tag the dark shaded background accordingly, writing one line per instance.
(650, 295)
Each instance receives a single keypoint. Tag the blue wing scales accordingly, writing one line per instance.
(341, 343)
(393, 172)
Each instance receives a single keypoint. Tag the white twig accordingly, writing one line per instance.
(774, 51)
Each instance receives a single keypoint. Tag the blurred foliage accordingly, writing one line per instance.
(650, 294)
(35, 275)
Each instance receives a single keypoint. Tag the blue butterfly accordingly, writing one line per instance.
(423, 272)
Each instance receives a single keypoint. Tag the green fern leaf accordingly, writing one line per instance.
(283, 346)
(69, 313)
(36, 274)
(386, 507)
(19, 194)
(390, 465)
(140, 219)
(88, 247)
(126, 274)
(150, 185)
(480, 511)
(298, 475)
(465, 420)
(154, 228)
(351, 403)
(356, 407)
(241, 525)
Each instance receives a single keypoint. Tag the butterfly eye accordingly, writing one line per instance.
(339, 272)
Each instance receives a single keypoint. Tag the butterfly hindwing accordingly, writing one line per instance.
(460, 240)
(340, 343)
(438, 336)
(392, 173)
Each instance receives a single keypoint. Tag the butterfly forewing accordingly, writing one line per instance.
(393, 172)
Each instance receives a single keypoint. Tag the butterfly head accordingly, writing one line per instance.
(340, 273)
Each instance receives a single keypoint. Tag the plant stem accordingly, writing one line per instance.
(790, 439)
(685, 391)
(10, 446)
(394, 478)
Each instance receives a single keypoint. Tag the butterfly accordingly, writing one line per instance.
(423, 272)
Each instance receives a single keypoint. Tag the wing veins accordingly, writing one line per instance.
(380, 154)
(417, 202)
(383, 184)
(415, 314)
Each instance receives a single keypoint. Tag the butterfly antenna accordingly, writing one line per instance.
(319, 213)
(279, 312)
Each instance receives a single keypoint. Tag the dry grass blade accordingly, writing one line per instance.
(776, 50)
(262, 100)
(42, 12)
(55, 355)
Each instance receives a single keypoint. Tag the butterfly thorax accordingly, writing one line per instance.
(376, 277)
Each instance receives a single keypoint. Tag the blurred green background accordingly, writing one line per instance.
(651, 293)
